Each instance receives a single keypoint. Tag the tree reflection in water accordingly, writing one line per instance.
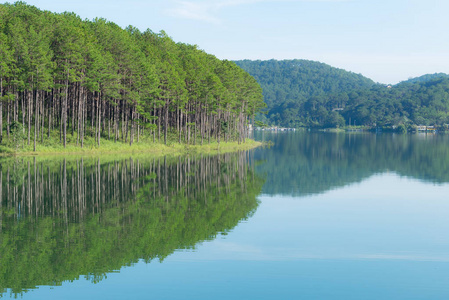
(89, 216)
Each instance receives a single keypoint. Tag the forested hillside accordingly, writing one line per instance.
(311, 94)
(66, 78)
(302, 92)
(408, 103)
(425, 78)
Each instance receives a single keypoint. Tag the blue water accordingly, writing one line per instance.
(381, 236)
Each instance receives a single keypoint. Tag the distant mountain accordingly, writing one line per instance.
(425, 78)
(293, 88)
(292, 79)
(302, 93)
(409, 103)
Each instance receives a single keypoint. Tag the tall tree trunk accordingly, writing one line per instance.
(83, 113)
(131, 136)
(36, 120)
(123, 112)
(138, 128)
(30, 110)
(99, 119)
(1, 113)
(159, 117)
(189, 121)
(177, 118)
(50, 111)
(64, 113)
(166, 123)
(196, 122)
(73, 98)
(127, 123)
(218, 128)
(180, 126)
(109, 122)
(115, 123)
(78, 122)
(15, 110)
(202, 125)
(42, 119)
(244, 126)
(154, 122)
(60, 115)
(7, 118)
(92, 113)
(23, 111)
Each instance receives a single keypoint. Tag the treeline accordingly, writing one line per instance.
(310, 94)
(62, 76)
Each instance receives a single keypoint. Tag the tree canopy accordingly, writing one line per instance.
(61, 75)
(302, 93)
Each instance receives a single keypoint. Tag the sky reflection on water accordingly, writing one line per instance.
(356, 242)
(383, 236)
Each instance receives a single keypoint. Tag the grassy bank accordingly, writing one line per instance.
(111, 147)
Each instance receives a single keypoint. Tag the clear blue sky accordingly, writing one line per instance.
(385, 40)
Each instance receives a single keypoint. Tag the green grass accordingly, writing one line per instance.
(52, 146)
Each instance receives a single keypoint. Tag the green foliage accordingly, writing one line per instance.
(89, 77)
(420, 103)
(17, 135)
(261, 124)
(311, 94)
(297, 91)
(402, 129)
(425, 78)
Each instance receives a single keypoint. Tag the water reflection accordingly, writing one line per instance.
(61, 218)
(304, 163)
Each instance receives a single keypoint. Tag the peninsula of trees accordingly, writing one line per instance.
(62, 77)
(301, 93)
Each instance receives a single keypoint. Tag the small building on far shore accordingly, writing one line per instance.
(424, 128)
(421, 128)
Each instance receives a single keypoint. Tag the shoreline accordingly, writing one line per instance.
(155, 149)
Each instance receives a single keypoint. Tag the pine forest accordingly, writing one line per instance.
(66, 80)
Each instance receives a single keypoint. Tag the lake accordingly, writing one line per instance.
(314, 216)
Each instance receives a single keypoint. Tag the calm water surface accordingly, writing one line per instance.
(316, 216)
